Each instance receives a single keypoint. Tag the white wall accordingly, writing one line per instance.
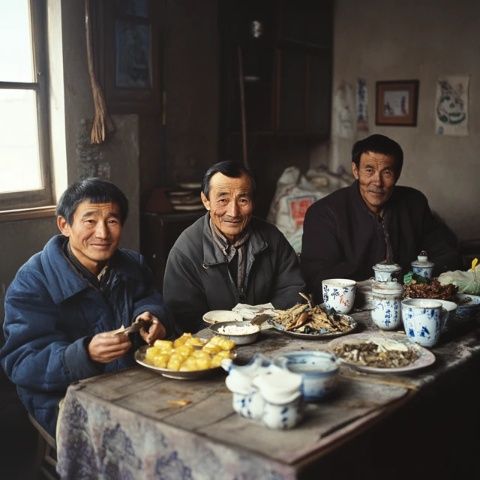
(418, 39)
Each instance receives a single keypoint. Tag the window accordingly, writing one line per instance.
(25, 179)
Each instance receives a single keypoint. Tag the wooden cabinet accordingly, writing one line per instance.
(158, 234)
(276, 66)
(276, 75)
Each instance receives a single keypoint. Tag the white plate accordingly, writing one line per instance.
(216, 316)
(318, 335)
(191, 185)
(179, 193)
(140, 359)
(188, 207)
(425, 358)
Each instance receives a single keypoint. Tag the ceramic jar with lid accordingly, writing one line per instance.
(386, 272)
(422, 266)
(387, 303)
(265, 392)
(282, 396)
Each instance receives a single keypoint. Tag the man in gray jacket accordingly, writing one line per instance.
(228, 256)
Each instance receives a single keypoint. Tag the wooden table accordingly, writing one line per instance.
(138, 424)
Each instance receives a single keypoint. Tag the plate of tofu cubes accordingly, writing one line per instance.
(186, 358)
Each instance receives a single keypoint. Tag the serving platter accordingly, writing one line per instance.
(425, 357)
(316, 335)
(195, 375)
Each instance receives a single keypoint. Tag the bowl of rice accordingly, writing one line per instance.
(242, 333)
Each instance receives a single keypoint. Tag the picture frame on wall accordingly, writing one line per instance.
(396, 103)
(130, 54)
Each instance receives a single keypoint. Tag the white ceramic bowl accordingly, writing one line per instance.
(468, 306)
(217, 316)
(319, 371)
(233, 331)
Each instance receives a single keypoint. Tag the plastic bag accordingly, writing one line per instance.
(467, 282)
(294, 194)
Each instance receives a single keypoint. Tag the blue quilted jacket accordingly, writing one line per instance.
(51, 311)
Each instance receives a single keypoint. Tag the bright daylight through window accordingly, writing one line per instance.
(24, 158)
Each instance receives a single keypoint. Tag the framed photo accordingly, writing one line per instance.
(396, 103)
(129, 57)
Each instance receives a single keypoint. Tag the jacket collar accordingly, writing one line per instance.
(212, 256)
(64, 280)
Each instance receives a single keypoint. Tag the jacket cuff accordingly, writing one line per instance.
(78, 362)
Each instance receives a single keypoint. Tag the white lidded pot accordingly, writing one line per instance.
(422, 266)
(387, 305)
(282, 395)
(386, 272)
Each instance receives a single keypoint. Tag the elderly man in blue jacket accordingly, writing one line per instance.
(66, 307)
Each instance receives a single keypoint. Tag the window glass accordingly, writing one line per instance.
(19, 146)
(16, 58)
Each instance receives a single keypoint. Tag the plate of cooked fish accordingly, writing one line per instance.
(312, 322)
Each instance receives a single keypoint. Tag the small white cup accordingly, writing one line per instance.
(339, 294)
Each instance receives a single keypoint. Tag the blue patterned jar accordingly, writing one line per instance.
(422, 266)
(387, 306)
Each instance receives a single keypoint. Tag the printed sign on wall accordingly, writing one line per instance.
(451, 105)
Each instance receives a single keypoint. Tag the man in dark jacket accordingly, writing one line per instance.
(65, 306)
(373, 220)
(228, 257)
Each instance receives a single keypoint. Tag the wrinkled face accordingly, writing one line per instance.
(376, 176)
(94, 234)
(230, 204)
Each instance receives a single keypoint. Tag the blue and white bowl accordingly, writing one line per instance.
(319, 372)
(468, 306)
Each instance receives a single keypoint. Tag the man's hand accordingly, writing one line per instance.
(155, 331)
(107, 346)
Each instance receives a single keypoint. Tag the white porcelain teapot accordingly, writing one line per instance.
(265, 392)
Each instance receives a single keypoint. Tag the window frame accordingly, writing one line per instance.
(44, 196)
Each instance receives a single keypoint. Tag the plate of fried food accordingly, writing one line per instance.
(430, 289)
(187, 357)
(312, 322)
(388, 352)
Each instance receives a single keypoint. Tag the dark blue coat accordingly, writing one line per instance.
(51, 311)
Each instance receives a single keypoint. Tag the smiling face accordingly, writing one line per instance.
(94, 234)
(230, 203)
(376, 177)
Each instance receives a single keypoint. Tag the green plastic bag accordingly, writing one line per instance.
(467, 282)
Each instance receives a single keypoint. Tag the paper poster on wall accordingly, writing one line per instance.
(451, 105)
(343, 112)
(362, 105)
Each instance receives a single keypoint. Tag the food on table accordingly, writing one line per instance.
(245, 329)
(188, 353)
(379, 353)
(312, 319)
(433, 289)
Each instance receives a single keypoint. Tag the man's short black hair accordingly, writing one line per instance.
(93, 190)
(229, 169)
(379, 144)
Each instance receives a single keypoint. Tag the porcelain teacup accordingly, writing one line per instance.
(423, 320)
(339, 294)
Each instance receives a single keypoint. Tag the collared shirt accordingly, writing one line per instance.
(100, 281)
(234, 253)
